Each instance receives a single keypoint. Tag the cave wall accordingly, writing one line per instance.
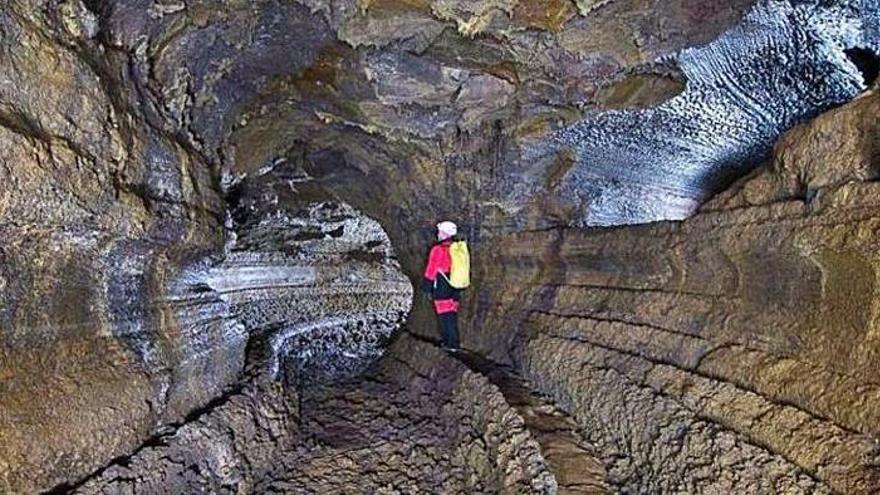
(733, 351)
(100, 210)
(161, 158)
(113, 219)
(742, 91)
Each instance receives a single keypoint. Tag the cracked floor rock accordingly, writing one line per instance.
(419, 422)
(224, 449)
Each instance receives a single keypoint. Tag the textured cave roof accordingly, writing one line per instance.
(398, 78)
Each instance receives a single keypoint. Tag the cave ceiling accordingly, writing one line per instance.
(591, 114)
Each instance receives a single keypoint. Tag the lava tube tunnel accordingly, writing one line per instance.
(440, 247)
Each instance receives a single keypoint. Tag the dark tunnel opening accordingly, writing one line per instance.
(867, 62)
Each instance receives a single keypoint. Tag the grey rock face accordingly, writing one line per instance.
(783, 64)
(108, 214)
(320, 290)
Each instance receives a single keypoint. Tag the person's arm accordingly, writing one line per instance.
(430, 274)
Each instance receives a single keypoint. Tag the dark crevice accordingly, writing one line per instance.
(867, 62)
(157, 440)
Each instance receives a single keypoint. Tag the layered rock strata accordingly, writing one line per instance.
(101, 208)
(175, 176)
(318, 290)
(730, 352)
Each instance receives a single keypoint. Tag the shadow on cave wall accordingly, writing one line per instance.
(868, 63)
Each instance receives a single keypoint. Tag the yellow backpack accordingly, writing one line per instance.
(460, 273)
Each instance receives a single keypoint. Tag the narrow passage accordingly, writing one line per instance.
(567, 453)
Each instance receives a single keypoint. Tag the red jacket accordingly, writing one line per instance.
(439, 261)
(435, 283)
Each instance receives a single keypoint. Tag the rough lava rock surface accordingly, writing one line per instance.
(731, 352)
(199, 201)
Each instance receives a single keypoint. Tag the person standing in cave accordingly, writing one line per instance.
(442, 285)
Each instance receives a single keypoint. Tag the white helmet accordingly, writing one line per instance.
(446, 230)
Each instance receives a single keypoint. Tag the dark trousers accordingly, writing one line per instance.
(449, 329)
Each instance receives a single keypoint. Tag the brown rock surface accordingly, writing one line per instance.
(175, 182)
(410, 425)
(100, 210)
(730, 352)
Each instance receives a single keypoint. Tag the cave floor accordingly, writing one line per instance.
(568, 454)
(418, 421)
(408, 427)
